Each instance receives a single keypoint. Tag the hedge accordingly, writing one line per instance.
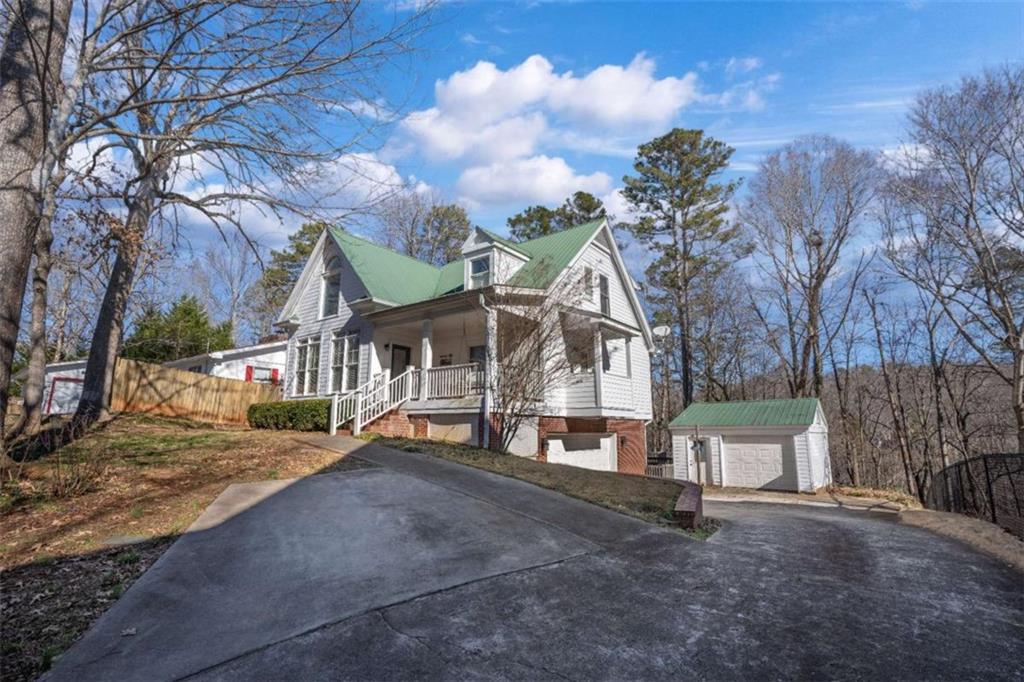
(295, 415)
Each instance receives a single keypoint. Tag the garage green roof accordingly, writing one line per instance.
(777, 412)
(393, 277)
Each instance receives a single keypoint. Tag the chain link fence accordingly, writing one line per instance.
(989, 487)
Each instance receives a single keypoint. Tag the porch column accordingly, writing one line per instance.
(426, 354)
(490, 367)
(598, 367)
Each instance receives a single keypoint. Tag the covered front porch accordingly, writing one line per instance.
(445, 347)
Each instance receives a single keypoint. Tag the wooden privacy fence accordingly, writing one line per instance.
(142, 387)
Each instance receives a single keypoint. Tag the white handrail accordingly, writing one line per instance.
(381, 400)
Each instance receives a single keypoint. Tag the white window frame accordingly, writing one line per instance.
(588, 283)
(342, 345)
(479, 280)
(309, 371)
(332, 269)
(605, 294)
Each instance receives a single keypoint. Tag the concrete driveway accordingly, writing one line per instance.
(424, 568)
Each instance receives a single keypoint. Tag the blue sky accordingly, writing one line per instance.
(511, 104)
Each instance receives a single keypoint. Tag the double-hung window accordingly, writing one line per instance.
(479, 272)
(330, 288)
(307, 365)
(606, 306)
(344, 362)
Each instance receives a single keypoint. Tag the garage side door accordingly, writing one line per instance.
(760, 465)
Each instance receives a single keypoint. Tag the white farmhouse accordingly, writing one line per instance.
(262, 363)
(404, 345)
(772, 444)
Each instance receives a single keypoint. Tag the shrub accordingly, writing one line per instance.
(295, 415)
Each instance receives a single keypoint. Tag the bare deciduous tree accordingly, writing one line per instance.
(953, 216)
(228, 103)
(804, 208)
(418, 223)
(542, 344)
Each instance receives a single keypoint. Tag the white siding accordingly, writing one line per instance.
(307, 310)
(641, 371)
(626, 387)
(680, 456)
(803, 462)
(234, 367)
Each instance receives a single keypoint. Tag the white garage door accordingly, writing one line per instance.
(756, 465)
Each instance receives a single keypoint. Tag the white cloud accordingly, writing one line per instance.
(489, 113)
(616, 204)
(537, 179)
(615, 96)
(741, 65)
(749, 95)
(450, 137)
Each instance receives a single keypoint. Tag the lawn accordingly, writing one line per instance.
(78, 526)
(651, 499)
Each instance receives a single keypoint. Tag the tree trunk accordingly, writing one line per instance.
(32, 395)
(29, 76)
(898, 423)
(106, 338)
(1018, 394)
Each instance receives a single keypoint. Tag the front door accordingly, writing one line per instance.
(400, 359)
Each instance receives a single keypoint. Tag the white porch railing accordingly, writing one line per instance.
(382, 394)
(373, 399)
(455, 381)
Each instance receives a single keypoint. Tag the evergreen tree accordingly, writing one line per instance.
(268, 295)
(538, 221)
(682, 209)
(183, 331)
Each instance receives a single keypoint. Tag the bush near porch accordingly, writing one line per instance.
(291, 415)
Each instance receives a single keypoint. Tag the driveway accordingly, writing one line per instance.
(424, 568)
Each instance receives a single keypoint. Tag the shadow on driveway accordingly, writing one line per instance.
(427, 568)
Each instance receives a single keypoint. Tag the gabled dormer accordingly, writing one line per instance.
(489, 259)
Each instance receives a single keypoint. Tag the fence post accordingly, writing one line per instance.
(988, 489)
(356, 426)
(332, 428)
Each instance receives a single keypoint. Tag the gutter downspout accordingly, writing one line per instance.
(485, 405)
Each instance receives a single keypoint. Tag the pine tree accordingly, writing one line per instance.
(183, 331)
(538, 221)
(682, 209)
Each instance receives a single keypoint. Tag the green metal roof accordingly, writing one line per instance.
(515, 246)
(391, 276)
(386, 274)
(549, 255)
(778, 412)
(450, 278)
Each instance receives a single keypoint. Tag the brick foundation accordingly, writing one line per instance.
(420, 425)
(632, 437)
(395, 424)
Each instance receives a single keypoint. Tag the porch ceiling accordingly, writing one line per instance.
(436, 309)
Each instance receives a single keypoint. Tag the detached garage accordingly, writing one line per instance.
(766, 444)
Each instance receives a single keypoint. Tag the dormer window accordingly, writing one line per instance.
(331, 287)
(479, 272)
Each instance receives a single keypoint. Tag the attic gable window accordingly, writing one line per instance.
(479, 272)
(330, 290)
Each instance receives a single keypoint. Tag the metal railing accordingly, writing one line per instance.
(455, 381)
(989, 487)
